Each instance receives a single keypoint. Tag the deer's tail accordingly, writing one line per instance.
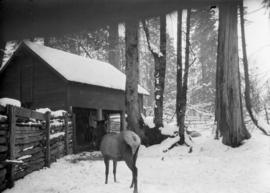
(133, 140)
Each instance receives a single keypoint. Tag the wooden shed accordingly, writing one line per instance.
(41, 77)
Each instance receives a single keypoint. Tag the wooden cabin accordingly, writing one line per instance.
(41, 77)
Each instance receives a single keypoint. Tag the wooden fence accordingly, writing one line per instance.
(30, 141)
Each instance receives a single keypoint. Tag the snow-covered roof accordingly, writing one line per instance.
(83, 70)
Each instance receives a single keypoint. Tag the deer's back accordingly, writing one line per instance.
(112, 146)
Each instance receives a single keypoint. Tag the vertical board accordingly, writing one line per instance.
(12, 124)
(48, 153)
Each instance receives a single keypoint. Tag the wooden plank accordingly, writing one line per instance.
(74, 133)
(29, 124)
(3, 173)
(3, 148)
(28, 140)
(3, 133)
(22, 112)
(4, 126)
(48, 153)
(3, 140)
(3, 119)
(28, 171)
(34, 157)
(27, 129)
(29, 135)
(21, 147)
(66, 134)
(29, 152)
(12, 122)
(3, 109)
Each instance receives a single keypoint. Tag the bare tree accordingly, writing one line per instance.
(160, 69)
(247, 82)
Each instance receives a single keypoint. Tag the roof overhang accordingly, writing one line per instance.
(22, 19)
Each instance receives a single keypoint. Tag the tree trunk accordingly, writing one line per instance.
(228, 102)
(266, 115)
(132, 72)
(160, 70)
(183, 94)
(114, 53)
(247, 82)
(179, 76)
(2, 51)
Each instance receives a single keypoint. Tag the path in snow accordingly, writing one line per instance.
(211, 168)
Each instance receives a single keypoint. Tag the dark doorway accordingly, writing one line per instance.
(84, 128)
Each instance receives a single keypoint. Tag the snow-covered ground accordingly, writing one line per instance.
(211, 167)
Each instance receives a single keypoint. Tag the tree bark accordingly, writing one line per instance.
(229, 116)
(114, 53)
(179, 76)
(247, 82)
(2, 51)
(266, 114)
(160, 70)
(132, 72)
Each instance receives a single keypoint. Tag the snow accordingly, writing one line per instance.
(8, 101)
(54, 114)
(211, 167)
(80, 69)
(24, 157)
(149, 121)
(56, 135)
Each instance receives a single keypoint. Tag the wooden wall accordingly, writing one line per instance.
(82, 95)
(10, 80)
(30, 141)
(30, 80)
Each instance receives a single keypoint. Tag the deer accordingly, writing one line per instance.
(123, 146)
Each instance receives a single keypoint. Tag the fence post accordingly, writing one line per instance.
(48, 149)
(74, 141)
(66, 133)
(12, 125)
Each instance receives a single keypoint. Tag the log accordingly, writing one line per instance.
(3, 119)
(3, 173)
(42, 132)
(3, 185)
(27, 128)
(3, 140)
(28, 140)
(3, 148)
(3, 132)
(38, 163)
(32, 151)
(3, 126)
(29, 135)
(24, 146)
(3, 156)
(57, 145)
(3, 110)
(35, 156)
(29, 170)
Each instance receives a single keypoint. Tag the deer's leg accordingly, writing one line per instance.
(130, 164)
(114, 169)
(106, 161)
(135, 175)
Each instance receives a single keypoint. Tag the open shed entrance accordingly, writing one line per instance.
(85, 123)
(92, 125)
